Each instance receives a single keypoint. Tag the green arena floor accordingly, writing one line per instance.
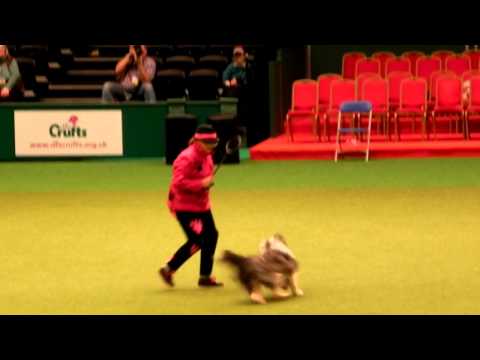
(387, 237)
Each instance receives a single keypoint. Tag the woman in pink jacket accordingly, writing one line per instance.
(189, 201)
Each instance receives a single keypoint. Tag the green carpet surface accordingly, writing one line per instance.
(387, 237)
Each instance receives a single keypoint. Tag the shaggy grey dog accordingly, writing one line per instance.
(275, 268)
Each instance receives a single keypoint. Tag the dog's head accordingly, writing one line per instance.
(278, 237)
(275, 242)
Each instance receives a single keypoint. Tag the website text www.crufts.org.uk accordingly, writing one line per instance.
(57, 144)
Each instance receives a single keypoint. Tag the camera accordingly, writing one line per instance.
(138, 50)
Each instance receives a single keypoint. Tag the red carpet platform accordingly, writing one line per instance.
(411, 145)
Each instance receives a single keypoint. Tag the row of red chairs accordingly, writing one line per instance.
(415, 62)
(393, 79)
(402, 95)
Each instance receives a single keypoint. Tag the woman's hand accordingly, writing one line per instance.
(208, 182)
(5, 92)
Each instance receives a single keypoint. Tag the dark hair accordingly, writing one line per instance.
(239, 47)
(202, 129)
(8, 57)
(205, 129)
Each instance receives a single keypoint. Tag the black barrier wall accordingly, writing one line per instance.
(143, 125)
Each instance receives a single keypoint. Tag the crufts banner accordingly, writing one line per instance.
(68, 133)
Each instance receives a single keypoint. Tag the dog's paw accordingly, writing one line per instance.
(280, 293)
(257, 298)
(298, 292)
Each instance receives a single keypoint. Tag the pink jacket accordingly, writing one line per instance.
(186, 191)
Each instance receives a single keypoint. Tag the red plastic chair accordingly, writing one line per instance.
(467, 76)
(397, 64)
(375, 90)
(304, 104)
(448, 101)
(361, 78)
(473, 107)
(324, 83)
(368, 66)
(383, 57)
(426, 66)
(474, 56)
(433, 85)
(459, 64)
(340, 91)
(412, 57)
(349, 63)
(443, 55)
(470, 74)
(394, 80)
(413, 103)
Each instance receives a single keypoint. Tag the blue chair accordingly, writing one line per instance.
(356, 108)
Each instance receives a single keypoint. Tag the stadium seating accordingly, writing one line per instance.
(349, 64)
(170, 83)
(203, 84)
(443, 55)
(413, 103)
(341, 90)
(304, 104)
(412, 57)
(368, 65)
(375, 90)
(426, 66)
(474, 56)
(394, 80)
(472, 112)
(458, 64)
(397, 64)
(215, 62)
(383, 57)
(448, 101)
(405, 87)
(361, 79)
(323, 92)
(79, 72)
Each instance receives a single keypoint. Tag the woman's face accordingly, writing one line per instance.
(3, 52)
(239, 58)
(208, 147)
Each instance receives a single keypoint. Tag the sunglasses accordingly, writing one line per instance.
(210, 142)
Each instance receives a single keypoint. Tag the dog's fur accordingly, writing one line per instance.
(275, 268)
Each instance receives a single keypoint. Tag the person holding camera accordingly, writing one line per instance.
(237, 83)
(10, 78)
(135, 72)
(235, 75)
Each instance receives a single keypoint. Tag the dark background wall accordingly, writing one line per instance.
(258, 96)
(289, 65)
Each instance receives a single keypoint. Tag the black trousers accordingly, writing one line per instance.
(199, 227)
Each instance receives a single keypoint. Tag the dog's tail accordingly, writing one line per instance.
(234, 259)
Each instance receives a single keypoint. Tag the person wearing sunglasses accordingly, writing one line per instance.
(189, 202)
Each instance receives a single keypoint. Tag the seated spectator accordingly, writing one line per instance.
(10, 79)
(135, 72)
(237, 80)
(235, 75)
